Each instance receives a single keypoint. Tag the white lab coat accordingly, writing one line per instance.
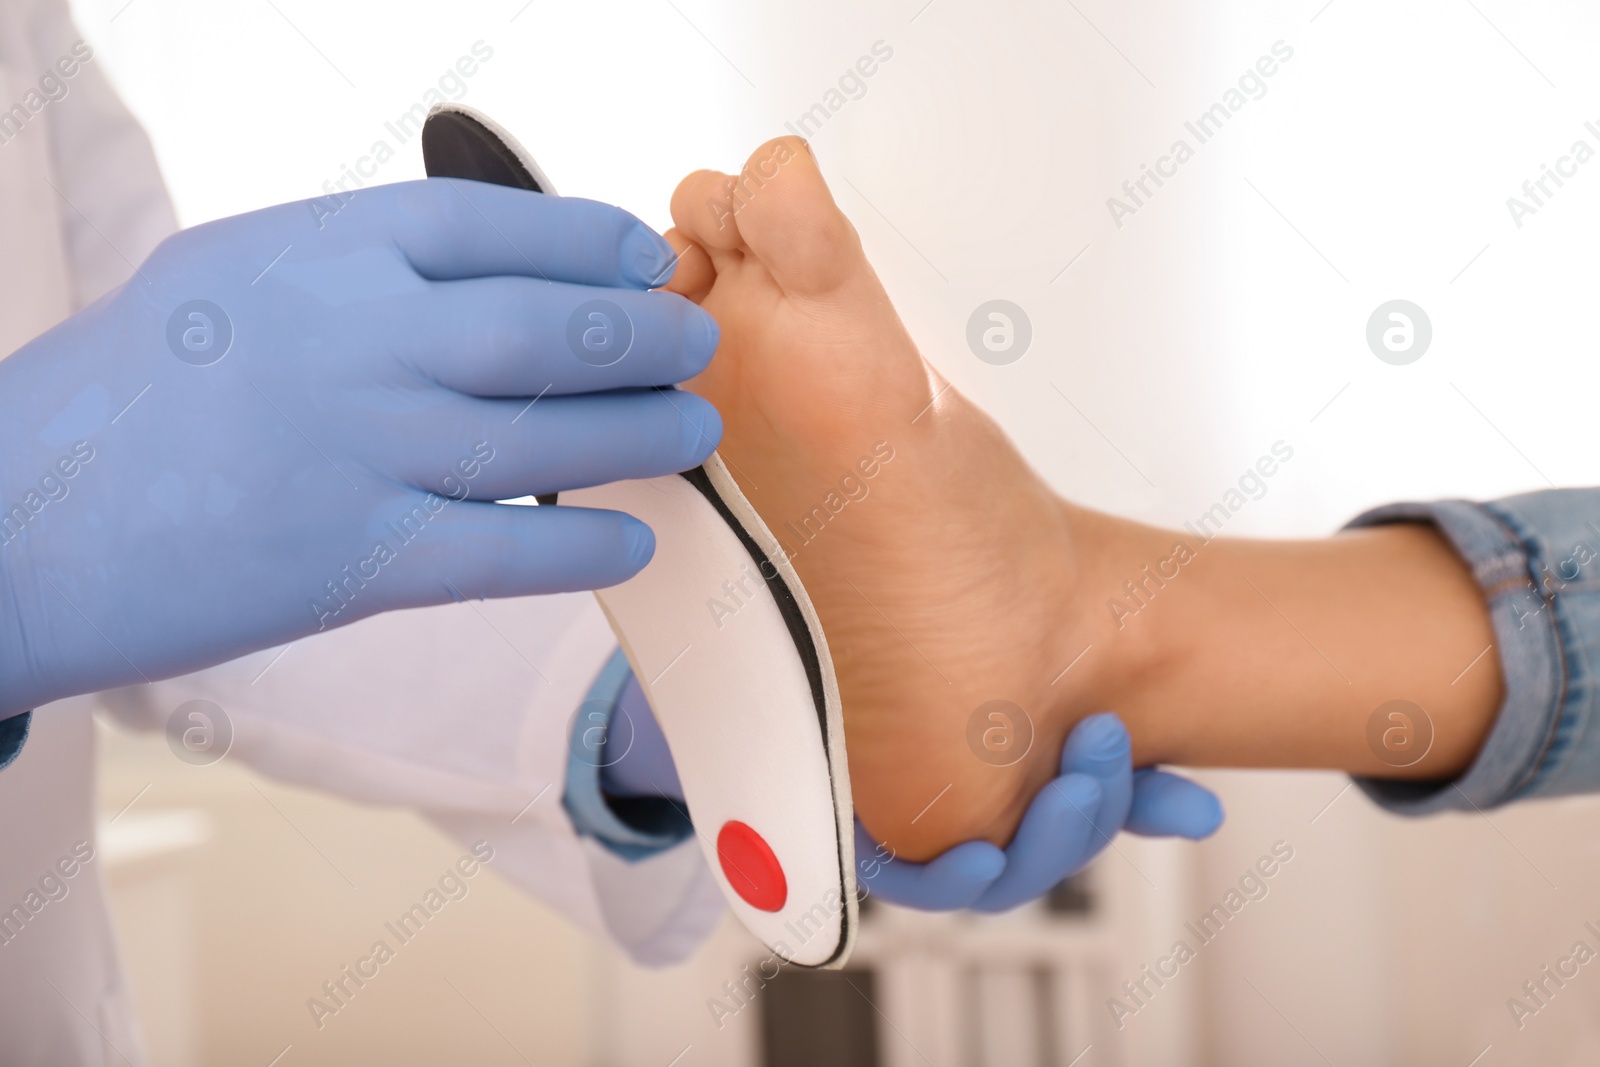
(461, 711)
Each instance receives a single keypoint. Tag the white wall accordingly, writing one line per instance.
(1223, 316)
(1227, 314)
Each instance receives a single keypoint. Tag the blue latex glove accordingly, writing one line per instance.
(1066, 826)
(294, 418)
(1097, 795)
(645, 768)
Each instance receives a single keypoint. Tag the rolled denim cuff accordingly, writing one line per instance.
(13, 733)
(631, 827)
(1536, 559)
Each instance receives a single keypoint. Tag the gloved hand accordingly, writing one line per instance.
(1066, 826)
(1071, 820)
(645, 767)
(294, 418)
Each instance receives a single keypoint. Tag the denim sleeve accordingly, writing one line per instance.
(13, 732)
(631, 827)
(1536, 558)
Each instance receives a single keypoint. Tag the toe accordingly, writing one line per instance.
(790, 222)
(705, 208)
(778, 209)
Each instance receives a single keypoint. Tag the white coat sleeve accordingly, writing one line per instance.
(462, 712)
(116, 209)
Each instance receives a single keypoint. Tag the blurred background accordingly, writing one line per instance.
(1173, 341)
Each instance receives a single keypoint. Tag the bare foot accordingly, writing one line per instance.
(938, 561)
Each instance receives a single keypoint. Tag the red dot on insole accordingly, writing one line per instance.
(750, 867)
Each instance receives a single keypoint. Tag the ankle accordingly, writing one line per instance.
(1131, 595)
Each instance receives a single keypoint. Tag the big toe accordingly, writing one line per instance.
(777, 209)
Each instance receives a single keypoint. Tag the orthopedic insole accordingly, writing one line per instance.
(729, 651)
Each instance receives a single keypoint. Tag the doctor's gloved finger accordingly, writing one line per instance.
(470, 550)
(1057, 838)
(1165, 805)
(454, 228)
(1099, 747)
(949, 882)
(503, 449)
(516, 337)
